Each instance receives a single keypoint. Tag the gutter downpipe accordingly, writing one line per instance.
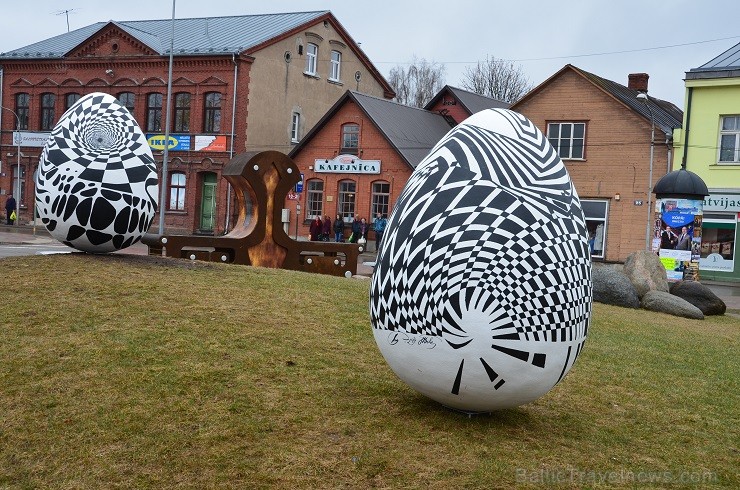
(686, 133)
(231, 146)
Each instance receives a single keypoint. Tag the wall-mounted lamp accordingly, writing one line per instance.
(617, 197)
(326, 161)
(109, 72)
(310, 167)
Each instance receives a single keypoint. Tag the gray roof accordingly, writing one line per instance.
(202, 35)
(667, 116)
(411, 131)
(726, 64)
(471, 101)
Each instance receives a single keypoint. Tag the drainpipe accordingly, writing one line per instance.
(231, 146)
(686, 133)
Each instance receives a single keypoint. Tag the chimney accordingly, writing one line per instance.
(638, 81)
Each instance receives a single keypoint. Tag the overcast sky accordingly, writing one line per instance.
(664, 38)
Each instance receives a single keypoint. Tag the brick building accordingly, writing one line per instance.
(357, 159)
(239, 83)
(602, 131)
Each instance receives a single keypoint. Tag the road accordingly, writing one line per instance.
(17, 250)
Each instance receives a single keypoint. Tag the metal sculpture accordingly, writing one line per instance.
(262, 181)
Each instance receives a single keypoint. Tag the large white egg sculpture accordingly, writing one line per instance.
(97, 185)
(481, 295)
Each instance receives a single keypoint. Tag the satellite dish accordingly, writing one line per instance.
(358, 75)
(287, 56)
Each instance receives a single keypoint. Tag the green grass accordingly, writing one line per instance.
(126, 372)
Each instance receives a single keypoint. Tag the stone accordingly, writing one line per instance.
(613, 287)
(646, 272)
(673, 305)
(700, 296)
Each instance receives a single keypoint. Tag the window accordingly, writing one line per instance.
(177, 191)
(380, 199)
(295, 124)
(718, 242)
(19, 197)
(127, 100)
(350, 139)
(48, 118)
(314, 198)
(596, 213)
(21, 109)
(182, 113)
(729, 143)
(567, 139)
(154, 113)
(346, 204)
(212, 113)
(336, 61)
(312, 53)
(70, 99)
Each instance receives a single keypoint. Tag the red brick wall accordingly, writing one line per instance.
(373, 146)
(140, 75)
(457, 111)
(617, 155)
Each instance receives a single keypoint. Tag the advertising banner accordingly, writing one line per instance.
(210, 142)
(677, 237)
(30, 138)
(178, 142)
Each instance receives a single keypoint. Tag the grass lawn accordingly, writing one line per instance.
(134, 372)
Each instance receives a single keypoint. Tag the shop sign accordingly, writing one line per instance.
(179, 142)
(210, 142)
(722, 202)
(33, 139)
(347, 164)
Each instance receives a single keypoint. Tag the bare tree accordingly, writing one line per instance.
(416, 84)
(500, 79)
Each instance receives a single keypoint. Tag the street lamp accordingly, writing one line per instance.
(642, 97)
(17, 141)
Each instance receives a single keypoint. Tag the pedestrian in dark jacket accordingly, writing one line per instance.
(326, 229)
(380, 222)
(10, 207)
(363, 229)
(355, 229)
(315, 229)
(338, 229)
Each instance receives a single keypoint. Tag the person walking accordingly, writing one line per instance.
(326, 229)
(355, 229)
(379, 226)
(338, 229)
(315, 228)
(10, 208)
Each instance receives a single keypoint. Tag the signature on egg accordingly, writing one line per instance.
(422, 341)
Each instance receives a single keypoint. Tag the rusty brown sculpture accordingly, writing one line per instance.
(262, 179)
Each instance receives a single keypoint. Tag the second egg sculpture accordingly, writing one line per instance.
(481, 296)
(97, 185)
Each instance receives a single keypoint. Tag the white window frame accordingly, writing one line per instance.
(347, 202)
(380, 201)
(605, 227)
(557, 141)
(314, 198)
(178, 191)
(312, 54)
(733, 132)
(295, 127)
(335, 68)
(715, 264)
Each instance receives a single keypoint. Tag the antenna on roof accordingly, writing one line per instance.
(66, 13)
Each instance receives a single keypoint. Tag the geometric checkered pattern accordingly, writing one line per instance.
(97, 186)
(488, 226)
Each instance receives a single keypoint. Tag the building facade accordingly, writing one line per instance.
(358, 158)
(602, 131)
(243, 83)
(709, 146)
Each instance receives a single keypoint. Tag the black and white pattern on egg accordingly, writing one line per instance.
(96, 186)
(487, 223)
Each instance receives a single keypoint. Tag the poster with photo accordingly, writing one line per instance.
(677, 237)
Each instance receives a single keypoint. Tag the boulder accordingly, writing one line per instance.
(673, 305)
(700, 296)
(612, 287)
(646, 272)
